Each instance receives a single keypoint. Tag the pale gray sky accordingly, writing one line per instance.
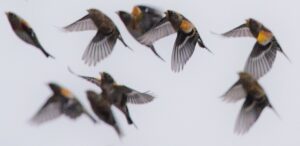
(187, 111)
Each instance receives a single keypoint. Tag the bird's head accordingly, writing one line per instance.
(54, 87)
(124, 16)
(10, 14)
(250, 22)
(106, 78)
(172, 15)
(93, 11)
(59, 90)
(12, 17)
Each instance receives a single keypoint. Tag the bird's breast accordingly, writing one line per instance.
(186, 26)
(264, 37)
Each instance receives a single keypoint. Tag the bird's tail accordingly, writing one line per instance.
(118, 130)
(47, 54)
(287, 57)
(155, 52)
(91, 117)
(130, 121)
(122, 40)
(280, 49)
(128, 118)
(201, 44)
(274, 110)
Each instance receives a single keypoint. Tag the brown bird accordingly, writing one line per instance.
(255, 102)
(140, 20)
(187, 37)
(25, 32)
(102, 108)
(265, 49)
(118, 95)
(105, 39)
(62, 102)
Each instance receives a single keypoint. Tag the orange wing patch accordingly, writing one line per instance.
(186, 26)
(136, 11)
(65, 92)
(23, 22)
(264, 37)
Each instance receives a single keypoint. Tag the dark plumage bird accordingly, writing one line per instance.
(255, 101)
(25, 32)
(105, 39)
(187, 37)
(140, 20)
(119, 95)
(62, 102)
(102, 108)
(265, 49)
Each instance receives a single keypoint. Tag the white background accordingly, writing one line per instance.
(187, 110)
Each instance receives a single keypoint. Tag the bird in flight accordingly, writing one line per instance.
(255, 102)
(62, 102)
(185, 43)
(25, 32)
(102, 108)
(264, 52)
(105, 39)
(118, 95)
(141, 19)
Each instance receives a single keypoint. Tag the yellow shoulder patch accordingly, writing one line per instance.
(136, 11)
(264, 37)
(186, 26)
(65, 92)
(23, 22)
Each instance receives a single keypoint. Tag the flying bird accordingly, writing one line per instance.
(264, 52)
(25, 32)
(255, 101)
(185, 43)
(102, 108)
(141, 19)
(105, 39)
(62, 102)
(118, 95)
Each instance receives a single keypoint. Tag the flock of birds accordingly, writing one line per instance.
(148, 25)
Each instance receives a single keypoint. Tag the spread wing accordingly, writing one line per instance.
(183, 49)
(99, 48)
(51, 110)
(85, 23)
(240, 31)
(136, 97)
(235, 93)
(261, 60)
(160, 30)
(249, 114)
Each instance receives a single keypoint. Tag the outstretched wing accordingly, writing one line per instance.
(261, 60)
(90, 79)
(235, 93)
(85, 23)
(183, 49)
(160, 30)
(51, 110)
(136, 97)
(99, 48)
(249, 114)
(240, 31)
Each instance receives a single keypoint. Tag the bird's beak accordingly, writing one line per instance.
(117, 12)
(7, 13)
